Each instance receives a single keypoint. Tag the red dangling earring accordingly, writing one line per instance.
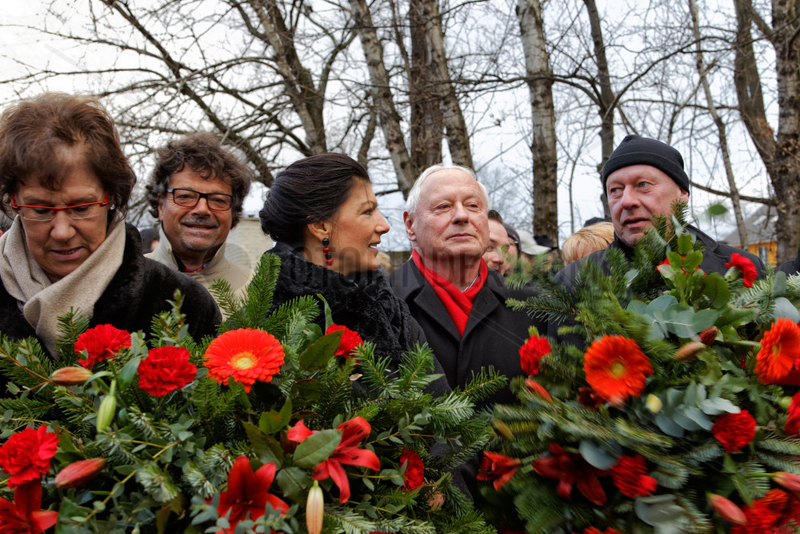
(326, 248)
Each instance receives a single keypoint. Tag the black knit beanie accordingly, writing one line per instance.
(635, 150)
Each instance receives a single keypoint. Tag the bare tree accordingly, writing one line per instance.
(539, 78)
(779, 149)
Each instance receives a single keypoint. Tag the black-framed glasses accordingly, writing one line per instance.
(48, 213)
(188, 198)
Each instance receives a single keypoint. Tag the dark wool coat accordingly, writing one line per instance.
(715, 256)
(364, 303)
(791, 267)
(138, 291)
(493, 335)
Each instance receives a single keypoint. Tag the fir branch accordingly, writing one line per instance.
(258, 301)
(70, 326)
(484, 384)
(229, 303)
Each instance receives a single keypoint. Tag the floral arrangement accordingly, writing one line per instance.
(273, 426)
(668, 405)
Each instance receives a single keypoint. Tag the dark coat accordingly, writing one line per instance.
(364, 303)
(493, 335)
(791, 267)
(715, 256)
(138, 291)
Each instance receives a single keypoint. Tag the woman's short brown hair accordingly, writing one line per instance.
(34, 133)
(587, 240)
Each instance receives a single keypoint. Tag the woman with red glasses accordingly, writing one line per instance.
(64, 176)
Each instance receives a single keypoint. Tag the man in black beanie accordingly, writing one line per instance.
(642, 178)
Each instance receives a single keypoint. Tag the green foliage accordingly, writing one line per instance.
(663, 306)
(166, 455)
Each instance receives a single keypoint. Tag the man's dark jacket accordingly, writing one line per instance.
(791, 267)
(493, 335)
(138, 291)
(715, 256)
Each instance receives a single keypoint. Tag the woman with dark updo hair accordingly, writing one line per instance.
(323, 215)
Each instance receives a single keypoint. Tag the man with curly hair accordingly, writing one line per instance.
(197, 190)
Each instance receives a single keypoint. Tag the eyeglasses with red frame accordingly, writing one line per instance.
(48, 213)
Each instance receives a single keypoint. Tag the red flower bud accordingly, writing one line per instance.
(315, 509)
(726, 509)
(79, 473)
(708, 336)
(689, 351)
(70, 376)
(538, 389)
(789, 481)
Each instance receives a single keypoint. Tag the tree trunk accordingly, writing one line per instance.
(721, 128)
(427, 123)
(780, 152)
(607, 102)
(382, 96)
(457, 134)
(306, 101)
(539, 78)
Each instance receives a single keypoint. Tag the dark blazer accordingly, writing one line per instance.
(493, 335)
(138, 291)
(791, 267)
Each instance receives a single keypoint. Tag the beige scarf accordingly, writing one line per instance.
(41, 301)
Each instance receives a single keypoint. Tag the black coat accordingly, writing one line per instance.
(715, 256)
(791, 267)
(138, 291)
(493, 335)
(364, 303)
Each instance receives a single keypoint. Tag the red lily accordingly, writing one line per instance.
(347, 453)
(23, 516)
(570, 468)
(498, 468)
(248, 493)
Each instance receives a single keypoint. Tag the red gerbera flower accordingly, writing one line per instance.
(498, 468)
(101, 343)
(26, 455)
(415, 469)
(245, 355)
(531, 353)
(347, 453)
(780, 349)
(166, 369)
(616, 368)
(569, 468)
(630, 476)
(745, 266)
(248, 493)
(735, 430)
(350, 340)
(24, 515)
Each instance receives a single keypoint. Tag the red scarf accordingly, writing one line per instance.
(457, 303)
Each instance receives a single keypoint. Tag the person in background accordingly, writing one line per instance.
(497, 250)
(150, 239)
(64, 177)
(587, 240)
(323, 216)
(513, 242)
(529, 248)
(455, 297)
(197, 190)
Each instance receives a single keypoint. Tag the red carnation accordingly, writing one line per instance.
(101, 343)
(793, 421)
(745, 266)
(630, 477)
(415, 469)
(498, 468)
(760, 519)
(531, 353)
(166, 369)
(26, 455)
(350, 340)
(735, 430)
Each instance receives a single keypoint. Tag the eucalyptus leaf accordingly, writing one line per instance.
(779, 284)
(128, 373)
(596, 456)
(317, 448)
(784, 308)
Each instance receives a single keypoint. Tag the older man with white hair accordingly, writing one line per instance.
(457, 300)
